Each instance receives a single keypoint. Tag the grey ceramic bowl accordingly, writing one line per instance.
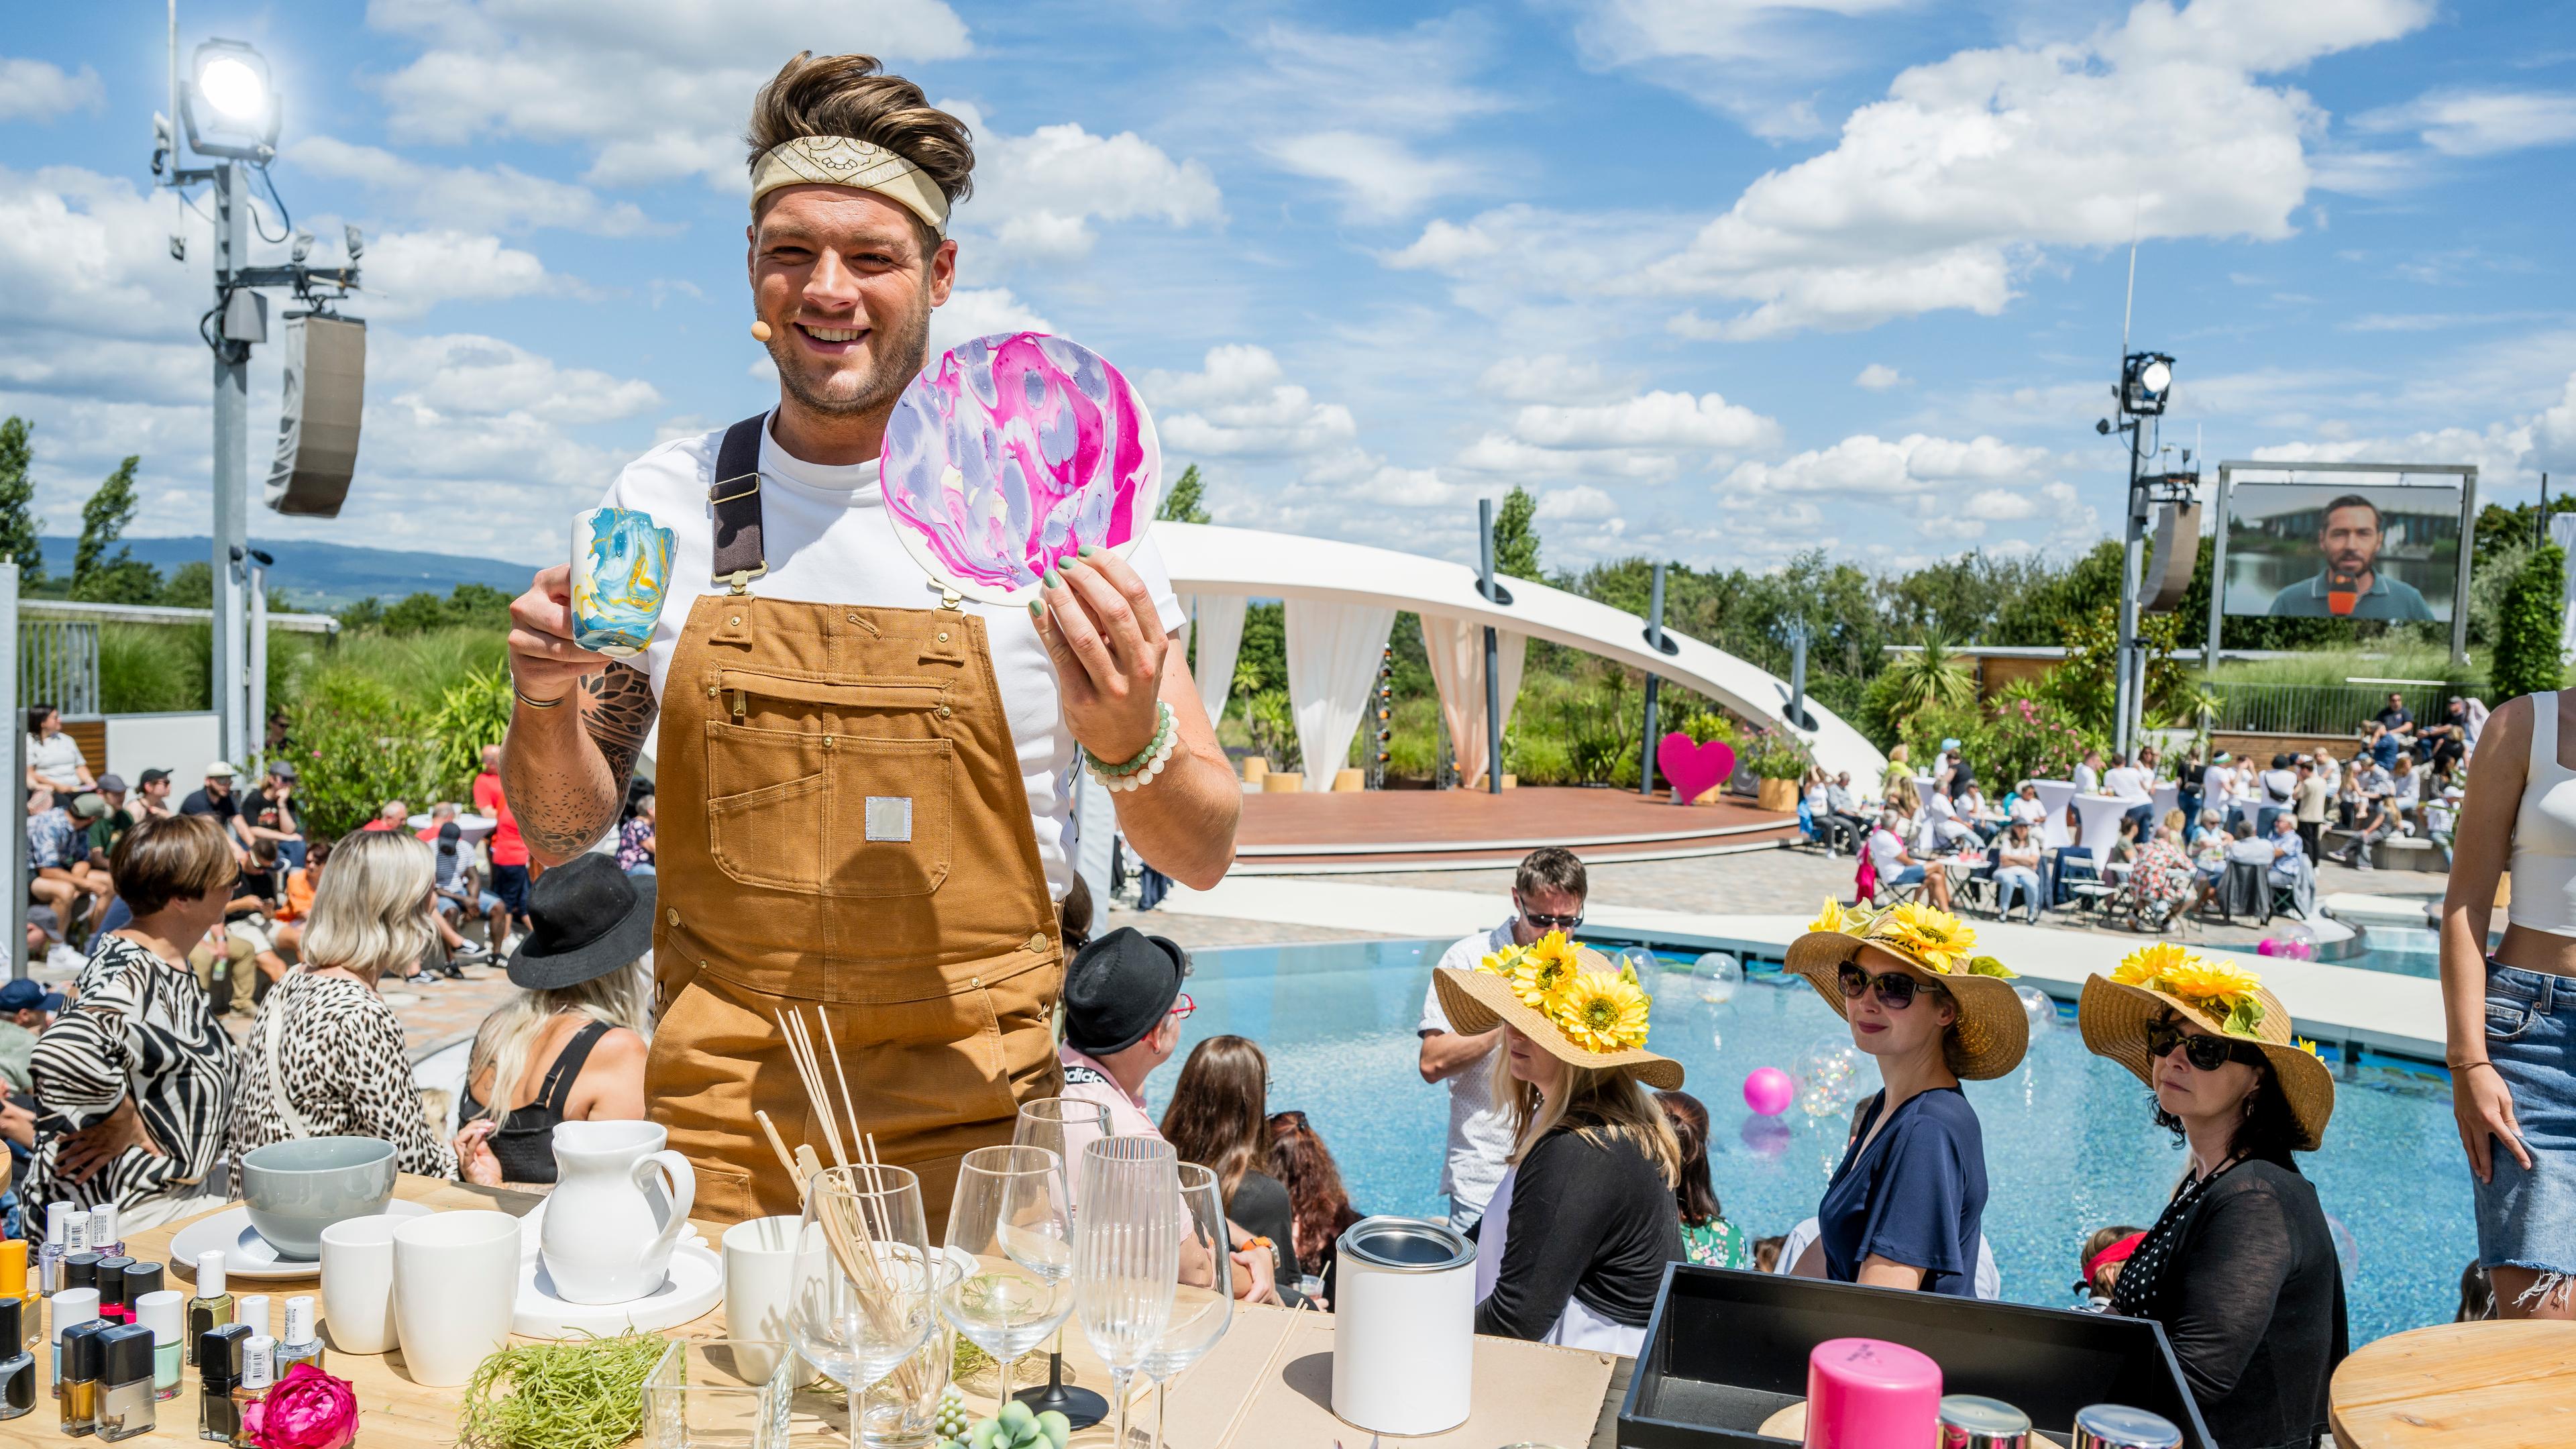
(296, 1189)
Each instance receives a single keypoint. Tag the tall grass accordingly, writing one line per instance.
(2408, 660)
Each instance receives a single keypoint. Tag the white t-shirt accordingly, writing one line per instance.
(57, 758)
(1884, 848)
(2125, 782)
(2217, 786)
(1945, 820)
(2086, 781)
(2280, 787)
(827, 539)
(2028, 808)
(1480, 1129)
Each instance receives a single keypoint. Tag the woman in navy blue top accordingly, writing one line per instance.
(1903, 1208)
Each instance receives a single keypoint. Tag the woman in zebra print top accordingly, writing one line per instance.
(136, 1080)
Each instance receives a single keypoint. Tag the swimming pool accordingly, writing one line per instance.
(2069, 1146)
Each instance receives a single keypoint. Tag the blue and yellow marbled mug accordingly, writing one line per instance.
(621, 569)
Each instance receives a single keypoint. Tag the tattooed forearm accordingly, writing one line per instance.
(565, 785)
(617, 709)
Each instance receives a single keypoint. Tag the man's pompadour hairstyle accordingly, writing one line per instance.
(850, 95)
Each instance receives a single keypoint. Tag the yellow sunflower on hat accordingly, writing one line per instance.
(1850, 920)
(1538, 971)
(2223, 990)
(1600, 1012)
(1941, 940)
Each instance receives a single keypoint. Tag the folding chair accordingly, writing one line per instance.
(1978, 890)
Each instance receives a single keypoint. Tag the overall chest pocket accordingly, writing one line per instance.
(829, 788)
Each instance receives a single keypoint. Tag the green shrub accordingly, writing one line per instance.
(355, 747)
(470, 716)
(1773, 755)
(152, 668)
(2025, 740)
(2526, 651)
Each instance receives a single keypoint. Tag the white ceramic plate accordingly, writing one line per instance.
(695, 1285)
(246, 1253)
(532, 1232)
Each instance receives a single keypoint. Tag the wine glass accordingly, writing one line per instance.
(1126, 1254)
(865, 1290)
(1203, 1303)
(1063, 1126)
(1009, 1216)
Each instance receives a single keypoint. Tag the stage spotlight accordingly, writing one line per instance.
(229, 106)
(2146, 378)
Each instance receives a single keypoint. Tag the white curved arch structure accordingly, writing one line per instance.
(1206, 559)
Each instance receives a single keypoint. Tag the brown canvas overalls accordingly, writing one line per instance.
(847, 832)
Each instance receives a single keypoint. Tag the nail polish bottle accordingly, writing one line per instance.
(72, 1308)
(252, 1308)
(125, 1401)
(18, 1367)
(82, 1360)
(102, 1232)
(112, 1303)
(49, 1262)
(301, 1344)
(212, 1307)
(258, 1372)
(80, 1269)
(160, 1311)
(219, 1371)
(13, 1284)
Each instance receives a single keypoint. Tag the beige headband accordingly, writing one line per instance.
(848, 161)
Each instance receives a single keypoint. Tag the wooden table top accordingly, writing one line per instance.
(1524, 1391)
(2492, 1385)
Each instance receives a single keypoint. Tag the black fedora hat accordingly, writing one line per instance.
(1118, 988)
(592, 918)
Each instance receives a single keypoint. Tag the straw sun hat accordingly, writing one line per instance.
(2221, 998)
(1990, 1031)
(1567, 1000)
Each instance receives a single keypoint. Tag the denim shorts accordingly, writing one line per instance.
(2528, 1219)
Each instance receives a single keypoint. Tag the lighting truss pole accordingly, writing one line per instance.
(1654, 641)
(2146, 378)
(228, 111)
(1493, 651)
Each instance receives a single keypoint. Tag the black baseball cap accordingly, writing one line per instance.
(1118, 989)
(148, 776)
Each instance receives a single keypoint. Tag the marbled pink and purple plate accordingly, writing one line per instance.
(1014, 451)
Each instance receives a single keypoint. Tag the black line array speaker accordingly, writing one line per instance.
(2177, 552)
(317, 435)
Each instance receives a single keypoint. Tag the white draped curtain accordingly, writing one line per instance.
(2562, 532)
(1333, 655)
(1457, 650)
(1216, 621)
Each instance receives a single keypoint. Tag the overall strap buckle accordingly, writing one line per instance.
(733, 502)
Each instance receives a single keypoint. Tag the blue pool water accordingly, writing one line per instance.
(2069, 1146)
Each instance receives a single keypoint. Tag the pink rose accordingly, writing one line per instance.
(307, 1409)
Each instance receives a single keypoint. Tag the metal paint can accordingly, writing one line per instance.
(1972, 1422)
(1404, 1328)
(2117, 1426)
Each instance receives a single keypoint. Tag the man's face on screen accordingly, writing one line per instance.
(2351, 541)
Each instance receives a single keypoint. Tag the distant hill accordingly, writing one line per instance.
(326, 576)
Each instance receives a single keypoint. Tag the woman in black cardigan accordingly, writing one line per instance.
(1573, 1247)
(2240, 1268)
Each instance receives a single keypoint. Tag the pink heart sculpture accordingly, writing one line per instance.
(1694, 769)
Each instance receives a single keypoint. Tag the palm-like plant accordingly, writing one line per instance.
(1932, 675)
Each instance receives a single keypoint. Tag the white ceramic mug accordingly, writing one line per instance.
(456, 1286)
(759, 1288)
(358, 1283)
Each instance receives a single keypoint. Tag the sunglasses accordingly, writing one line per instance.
(1895, 988)
(2205, 1053)
(1544, 922)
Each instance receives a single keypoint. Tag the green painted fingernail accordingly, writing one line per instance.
(1054, 580)
(1037, 608)
(1088, 549)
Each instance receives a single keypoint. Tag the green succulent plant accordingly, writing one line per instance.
(1016, 1427)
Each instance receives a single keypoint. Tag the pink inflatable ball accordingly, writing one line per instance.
(2267, 947)
(1769, 1091)
(1863, 1393)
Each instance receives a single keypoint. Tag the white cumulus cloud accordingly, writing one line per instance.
(1879, 377)
(500, 198)
(1239, 404)
(36, 90)
(2479, 122)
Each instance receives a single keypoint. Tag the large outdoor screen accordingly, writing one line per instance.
(2343, 550)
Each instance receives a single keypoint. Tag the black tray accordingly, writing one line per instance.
(1726, 1350)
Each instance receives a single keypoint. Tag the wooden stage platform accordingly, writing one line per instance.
(1394, 830)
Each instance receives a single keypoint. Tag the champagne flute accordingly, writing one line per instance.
(1009, 1216)
(1126, 1254)
(1063, 1126)
(1203, 1303)
(865, 1289)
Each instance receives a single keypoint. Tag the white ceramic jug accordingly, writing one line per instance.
(610, 1224)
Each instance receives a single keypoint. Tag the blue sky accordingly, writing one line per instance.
(1718, 280)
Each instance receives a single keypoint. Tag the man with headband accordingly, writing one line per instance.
(864, 780)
